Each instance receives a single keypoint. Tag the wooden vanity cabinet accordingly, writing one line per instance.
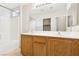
(39, 46)
(26, 45)
(62, 47)
(59, 47)
(75, 47)
(49, 46)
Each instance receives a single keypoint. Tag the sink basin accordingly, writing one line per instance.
(70, 34)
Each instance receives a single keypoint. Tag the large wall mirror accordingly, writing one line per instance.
(55, 17)
(73, 18)
(61, 23)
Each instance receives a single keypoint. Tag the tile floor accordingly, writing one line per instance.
(16, 52)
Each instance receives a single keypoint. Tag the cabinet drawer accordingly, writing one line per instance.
(39, 39)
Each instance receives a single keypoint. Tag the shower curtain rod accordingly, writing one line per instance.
(6, 8)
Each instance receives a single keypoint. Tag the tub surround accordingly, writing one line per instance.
(42, 44)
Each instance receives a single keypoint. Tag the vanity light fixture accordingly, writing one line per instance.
(37, 5)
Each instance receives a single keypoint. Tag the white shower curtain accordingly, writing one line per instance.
(9, 32)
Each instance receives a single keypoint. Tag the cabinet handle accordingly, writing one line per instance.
(39, 43)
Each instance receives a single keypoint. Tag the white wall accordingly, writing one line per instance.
(25, 18)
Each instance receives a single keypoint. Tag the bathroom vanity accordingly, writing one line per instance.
(49, 45)
(52, 34)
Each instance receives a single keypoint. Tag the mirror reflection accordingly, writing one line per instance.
(54, 17)
(73, 19)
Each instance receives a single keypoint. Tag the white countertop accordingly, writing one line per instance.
(55, 34)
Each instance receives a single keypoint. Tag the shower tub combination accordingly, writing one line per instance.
(9, 31)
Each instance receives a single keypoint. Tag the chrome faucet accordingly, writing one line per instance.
(59, 33)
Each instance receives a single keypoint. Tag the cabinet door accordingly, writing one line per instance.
(50, 47)
(59, 47)
(39, 46)
(26, 45)
(62, 47)
(75, 47)
(39, 49)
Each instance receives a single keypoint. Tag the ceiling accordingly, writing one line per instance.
(41, 10)
(13, 5)
(49, 8)
(10, 5)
